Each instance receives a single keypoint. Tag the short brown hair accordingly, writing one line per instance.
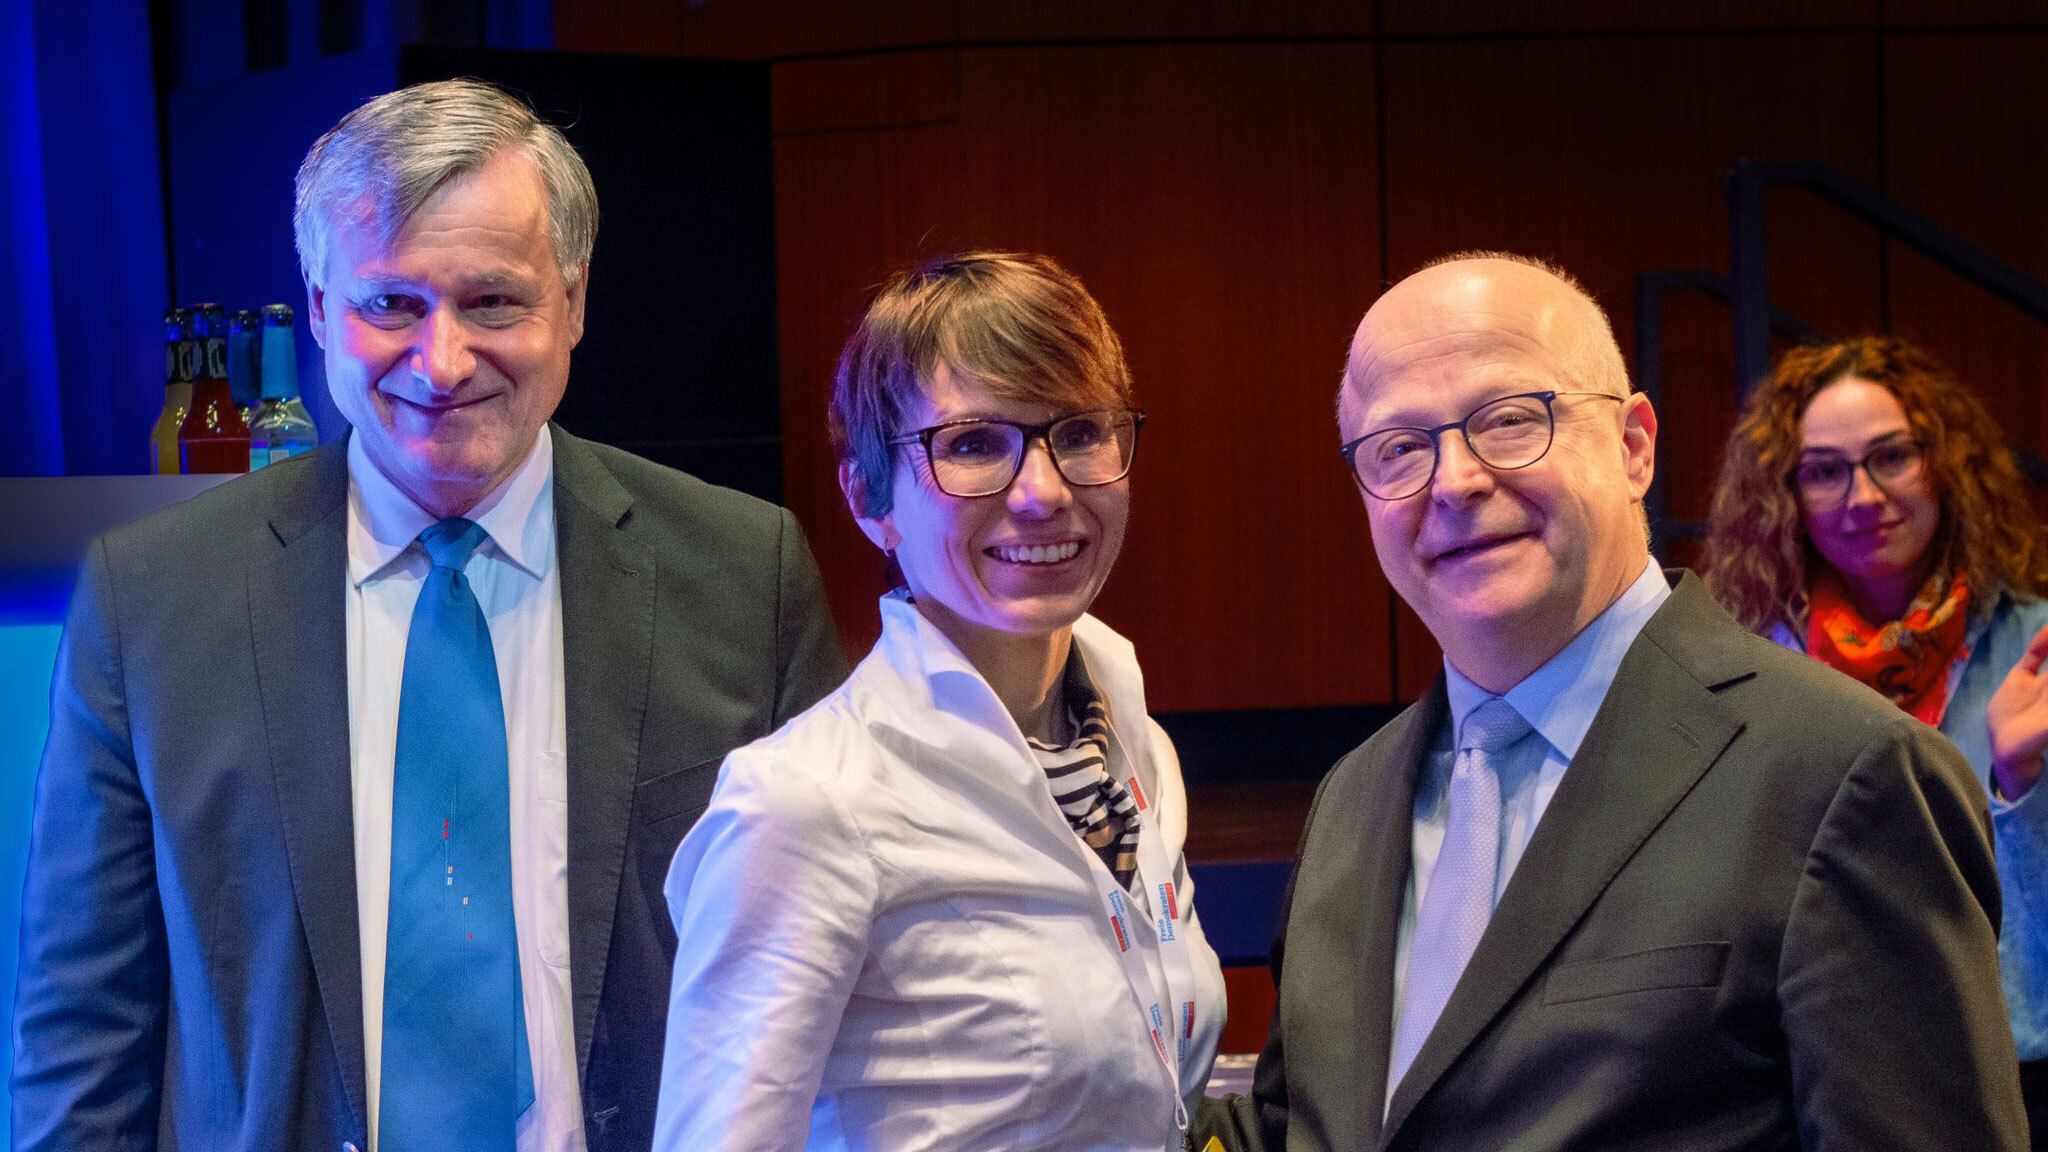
(1758, 555)
(1015, 323)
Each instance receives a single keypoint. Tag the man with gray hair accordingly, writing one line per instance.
(364, 771)
(1627, 876)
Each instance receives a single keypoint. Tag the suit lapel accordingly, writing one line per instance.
(607, 655)
(1385, 852)
(297, 608)
(1656, 733)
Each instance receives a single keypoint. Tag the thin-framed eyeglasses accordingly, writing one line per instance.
(1504, 434)
(1826, 480)
(981, 457)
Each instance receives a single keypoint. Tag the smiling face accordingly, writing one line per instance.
(1504, 567)
(1879, 539)
(1023, 563)
(448, 348)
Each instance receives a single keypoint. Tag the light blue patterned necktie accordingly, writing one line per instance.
(455, 1071)
(1459, 900)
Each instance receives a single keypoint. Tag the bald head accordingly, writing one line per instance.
(1501, 299)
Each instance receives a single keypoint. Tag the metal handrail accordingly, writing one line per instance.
(1650, 289)
(1748, 265)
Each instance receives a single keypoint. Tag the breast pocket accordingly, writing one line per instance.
(1677, 966)
(679, 797)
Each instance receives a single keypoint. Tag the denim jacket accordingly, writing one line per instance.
(2019, 829)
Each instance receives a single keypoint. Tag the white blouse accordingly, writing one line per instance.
(891, 938)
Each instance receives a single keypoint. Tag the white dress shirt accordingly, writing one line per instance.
(892, 939)
(518, 584)
(1559, 700)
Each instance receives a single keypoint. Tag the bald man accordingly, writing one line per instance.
(1628, 876)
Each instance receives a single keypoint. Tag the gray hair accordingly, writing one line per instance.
(388, 157)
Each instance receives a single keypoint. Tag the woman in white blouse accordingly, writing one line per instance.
(946, 908)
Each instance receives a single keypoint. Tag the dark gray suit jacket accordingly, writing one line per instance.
(190, 963)
(1758, 914)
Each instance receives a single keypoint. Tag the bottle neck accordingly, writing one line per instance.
(280, 365)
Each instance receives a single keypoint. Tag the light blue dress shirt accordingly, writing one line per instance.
(1559, 700)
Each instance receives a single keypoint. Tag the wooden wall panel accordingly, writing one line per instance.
(1967, 145)
(2012, 14)
(1161, 19)
(1220, 203)
(1521, 17)
(898, 90)
(750, 29)
(849, 206)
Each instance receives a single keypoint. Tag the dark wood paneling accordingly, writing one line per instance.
(849, 206)
(751, 29)
(898, 90)
(1250, 993)
(1503, 17)
(1417, 658)
(1967, 145)
(1229, 823)
(1607, 155)
(1220, 202)
(1161, 19)
(1964, 13)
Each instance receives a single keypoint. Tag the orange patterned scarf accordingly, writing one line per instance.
(1908, 659)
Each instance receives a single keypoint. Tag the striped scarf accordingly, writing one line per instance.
(1098, 806)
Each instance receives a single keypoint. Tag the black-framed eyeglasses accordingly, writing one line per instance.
(981, 457)
(1825, 481)
(1504, 434)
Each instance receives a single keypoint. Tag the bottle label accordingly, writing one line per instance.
(216, 358)
(188, 360)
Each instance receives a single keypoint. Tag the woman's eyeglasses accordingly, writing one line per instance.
(981, 457)
(1825, 480)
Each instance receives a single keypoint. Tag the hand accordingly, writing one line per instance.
(2018, 716)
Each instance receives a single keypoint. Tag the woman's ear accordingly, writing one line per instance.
(879, 529)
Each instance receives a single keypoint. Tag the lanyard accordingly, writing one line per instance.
(1155, 910)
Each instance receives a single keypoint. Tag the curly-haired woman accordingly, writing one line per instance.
(1869, 514)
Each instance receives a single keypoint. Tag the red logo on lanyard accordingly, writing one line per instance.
(1187, 1017)
(1123, 943)
(1167, 901)
(1138, 795)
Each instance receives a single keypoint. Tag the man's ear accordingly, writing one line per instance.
(316, 312)
(1639, 443)
(879, 529)
(578, 293)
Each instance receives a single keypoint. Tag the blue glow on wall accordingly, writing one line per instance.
(28, 653)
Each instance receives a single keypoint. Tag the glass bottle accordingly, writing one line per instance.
(214, 437)
(180, 354)
(245, 333)
(282, 427)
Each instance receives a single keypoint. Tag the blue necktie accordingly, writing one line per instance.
(455, 1072)
(1459, 900)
